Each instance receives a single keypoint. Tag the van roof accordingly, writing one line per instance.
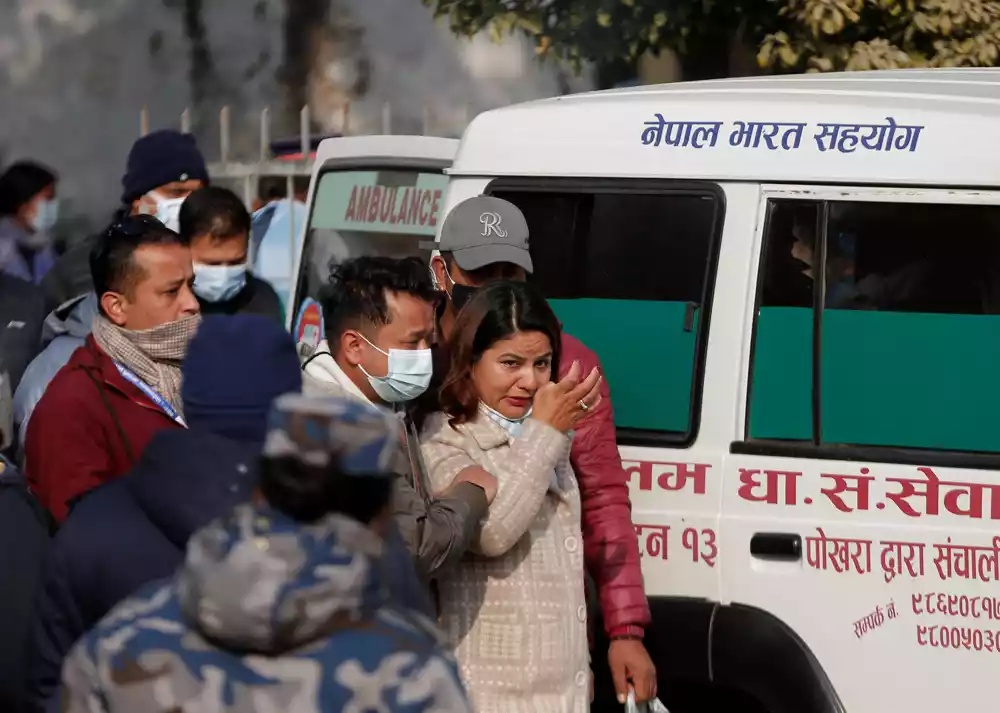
(397, 150)
(915, 127)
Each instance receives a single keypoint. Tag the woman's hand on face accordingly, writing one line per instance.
(561, 404)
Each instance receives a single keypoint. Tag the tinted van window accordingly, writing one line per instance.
(907, 324)
(628, 272)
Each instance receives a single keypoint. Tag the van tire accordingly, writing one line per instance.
(711, 657)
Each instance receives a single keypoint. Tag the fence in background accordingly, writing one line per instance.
(247, 172)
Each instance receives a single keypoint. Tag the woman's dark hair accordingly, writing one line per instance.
(497, 311)
(307, 492)
(216, 212)
(21, 182)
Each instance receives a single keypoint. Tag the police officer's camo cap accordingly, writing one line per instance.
(365, 439)
(483, 231)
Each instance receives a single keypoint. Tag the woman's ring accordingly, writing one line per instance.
(583, 406)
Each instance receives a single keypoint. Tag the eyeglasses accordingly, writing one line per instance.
(134, 226)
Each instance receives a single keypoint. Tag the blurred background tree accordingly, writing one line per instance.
(708, 36)
(827, 35)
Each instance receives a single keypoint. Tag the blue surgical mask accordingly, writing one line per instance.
(513, 426)
(46, 215)
(408, 377)
(219, 283)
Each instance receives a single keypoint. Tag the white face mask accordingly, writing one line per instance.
(219, 283)
(46, 215)
(513, 426)
(408, 377)
(168, 210)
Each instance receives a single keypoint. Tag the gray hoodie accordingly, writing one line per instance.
(63, 332)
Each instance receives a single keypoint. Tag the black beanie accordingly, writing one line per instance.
(21, 182)
(159, 158)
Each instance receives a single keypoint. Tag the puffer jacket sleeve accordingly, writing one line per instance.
(611, 547)
(525, 472)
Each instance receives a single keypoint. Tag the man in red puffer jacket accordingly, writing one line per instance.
(470, 259)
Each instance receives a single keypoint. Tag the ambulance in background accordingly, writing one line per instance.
(794, 287)
(369, 195)
(793, 284)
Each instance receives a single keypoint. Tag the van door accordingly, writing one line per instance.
(861, 504)
(371, 195)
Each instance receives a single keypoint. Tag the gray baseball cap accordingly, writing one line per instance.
(483, 231)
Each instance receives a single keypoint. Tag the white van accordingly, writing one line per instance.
(794, 286)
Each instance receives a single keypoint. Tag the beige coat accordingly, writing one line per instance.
(514, 608)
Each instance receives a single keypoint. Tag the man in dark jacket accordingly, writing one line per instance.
(22, 312)
(163, 168)
(135, 530)
(484, 239)
(24, 531)
(217, 226)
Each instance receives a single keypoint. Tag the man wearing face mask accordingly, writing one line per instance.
(484, 239)
(28, 213)
(163, 168)
(123, 385)
(379, 315)
(217, 226)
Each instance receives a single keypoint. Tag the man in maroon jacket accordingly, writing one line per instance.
(486, 238)
(123, 385)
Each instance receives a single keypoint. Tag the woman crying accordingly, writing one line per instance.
(514, 609)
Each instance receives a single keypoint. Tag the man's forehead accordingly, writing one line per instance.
(184, 183)
(167, 261)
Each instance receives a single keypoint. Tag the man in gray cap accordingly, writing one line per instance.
(486, 238)
(482, 239)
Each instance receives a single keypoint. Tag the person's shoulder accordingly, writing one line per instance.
(264, 292)
(575, 350)
(437, 426)
(404, 634)
(100, 513)
(27, 297)
(66, 386)
(156, 601)
(136, 625)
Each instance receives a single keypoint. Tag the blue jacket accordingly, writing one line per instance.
(267, 614)
(62, 333)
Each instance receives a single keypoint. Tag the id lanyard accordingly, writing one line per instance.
(150, 392)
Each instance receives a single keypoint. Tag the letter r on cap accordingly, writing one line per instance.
(491, 225)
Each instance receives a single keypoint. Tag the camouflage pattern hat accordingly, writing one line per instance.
(365, 438)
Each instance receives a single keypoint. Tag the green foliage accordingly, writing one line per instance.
(792, 35)
(609, 30)
(825, 35)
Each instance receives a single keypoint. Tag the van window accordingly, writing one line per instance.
(907, 327)
(378, 212)
(628, 273)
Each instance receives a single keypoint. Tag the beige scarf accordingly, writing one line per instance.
(154, 355)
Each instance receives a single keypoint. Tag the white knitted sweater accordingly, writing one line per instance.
(514, 608)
